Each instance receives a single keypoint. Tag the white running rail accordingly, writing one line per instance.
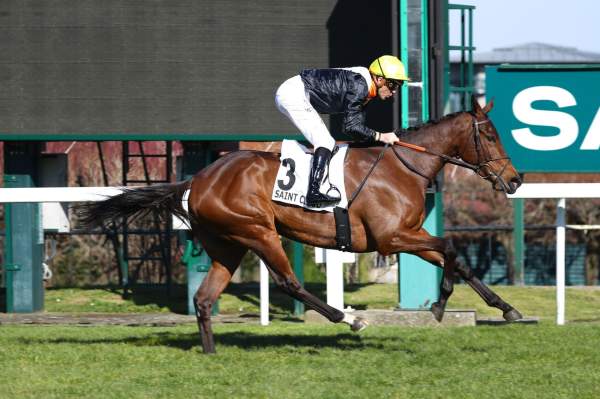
(560, 191)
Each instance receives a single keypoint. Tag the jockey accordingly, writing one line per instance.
(332, 91)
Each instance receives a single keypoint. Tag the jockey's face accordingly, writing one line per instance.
(386, 88)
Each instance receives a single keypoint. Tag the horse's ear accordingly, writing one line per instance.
(488, 107)
(475, 107)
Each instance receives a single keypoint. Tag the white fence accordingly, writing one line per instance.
(52, 196)
(55, 219)
(561, 191)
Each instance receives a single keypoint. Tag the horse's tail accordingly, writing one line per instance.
(134, 203)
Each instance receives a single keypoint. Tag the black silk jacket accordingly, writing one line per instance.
(337, 91)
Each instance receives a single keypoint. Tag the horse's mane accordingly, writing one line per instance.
(430, 123)
(403, 133)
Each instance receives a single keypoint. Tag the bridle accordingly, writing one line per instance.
(482, 160)
(481, 167)
(482, 153)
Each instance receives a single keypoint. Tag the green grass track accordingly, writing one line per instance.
(293, 360)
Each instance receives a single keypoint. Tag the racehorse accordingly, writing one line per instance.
(230, 210)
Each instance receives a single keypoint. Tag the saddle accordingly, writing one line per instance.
(291, 185)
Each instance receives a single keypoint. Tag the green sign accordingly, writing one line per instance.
(548, 117)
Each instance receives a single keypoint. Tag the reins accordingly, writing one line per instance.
(455, 161)
(452, 160)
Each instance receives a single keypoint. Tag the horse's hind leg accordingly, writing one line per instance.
(446, 262)
(225, 260)
(269, 249)
(436, 252)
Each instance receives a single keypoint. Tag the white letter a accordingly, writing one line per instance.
(592, 138)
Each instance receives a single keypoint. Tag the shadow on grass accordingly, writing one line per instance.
(249, 341)
(242, 340)
(586, 320)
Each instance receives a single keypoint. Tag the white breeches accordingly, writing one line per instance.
(291, 99)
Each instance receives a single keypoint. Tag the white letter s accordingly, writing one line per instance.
(567, 124)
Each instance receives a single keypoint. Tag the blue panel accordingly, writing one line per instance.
(198, 264)
(420, 280)
(194, 279)
(548, 119)
(27, 241)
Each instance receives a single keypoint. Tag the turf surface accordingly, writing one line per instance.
(290, 359)
(293, 360)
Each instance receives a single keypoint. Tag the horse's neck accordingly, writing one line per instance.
(443, 137)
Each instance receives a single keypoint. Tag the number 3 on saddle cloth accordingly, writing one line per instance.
(291, 185)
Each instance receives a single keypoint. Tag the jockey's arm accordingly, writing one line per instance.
(354, 124)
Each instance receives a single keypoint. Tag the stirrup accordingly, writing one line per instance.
(320, 200)
(333, 188)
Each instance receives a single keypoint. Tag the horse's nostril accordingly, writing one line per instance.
(516, 181)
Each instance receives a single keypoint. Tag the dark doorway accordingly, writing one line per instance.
(359, 32)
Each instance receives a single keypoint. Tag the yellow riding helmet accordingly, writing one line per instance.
(389, 67)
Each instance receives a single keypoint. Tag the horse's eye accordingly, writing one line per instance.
(490, 138)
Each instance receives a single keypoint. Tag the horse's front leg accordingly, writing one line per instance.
(490, 297)
(437, 251)
(433, 250)
(452, 266)
(446, 285)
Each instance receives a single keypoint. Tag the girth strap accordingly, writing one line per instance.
(343, 231)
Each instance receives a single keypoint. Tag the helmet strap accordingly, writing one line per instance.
(381, 69)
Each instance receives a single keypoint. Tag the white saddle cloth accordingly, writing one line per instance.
(291, 183)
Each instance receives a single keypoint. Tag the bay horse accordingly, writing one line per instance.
(230, 210)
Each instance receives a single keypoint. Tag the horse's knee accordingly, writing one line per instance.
(464, 271)
(289, 285)
(450, 251)
(447, 286)
(203, 308)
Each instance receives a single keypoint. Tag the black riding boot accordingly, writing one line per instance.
(315, 198)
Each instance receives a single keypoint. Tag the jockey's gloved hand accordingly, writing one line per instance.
(387, 138)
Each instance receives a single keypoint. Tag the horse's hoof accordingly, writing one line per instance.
(359, 324)
(438, 311)
(512, 315)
